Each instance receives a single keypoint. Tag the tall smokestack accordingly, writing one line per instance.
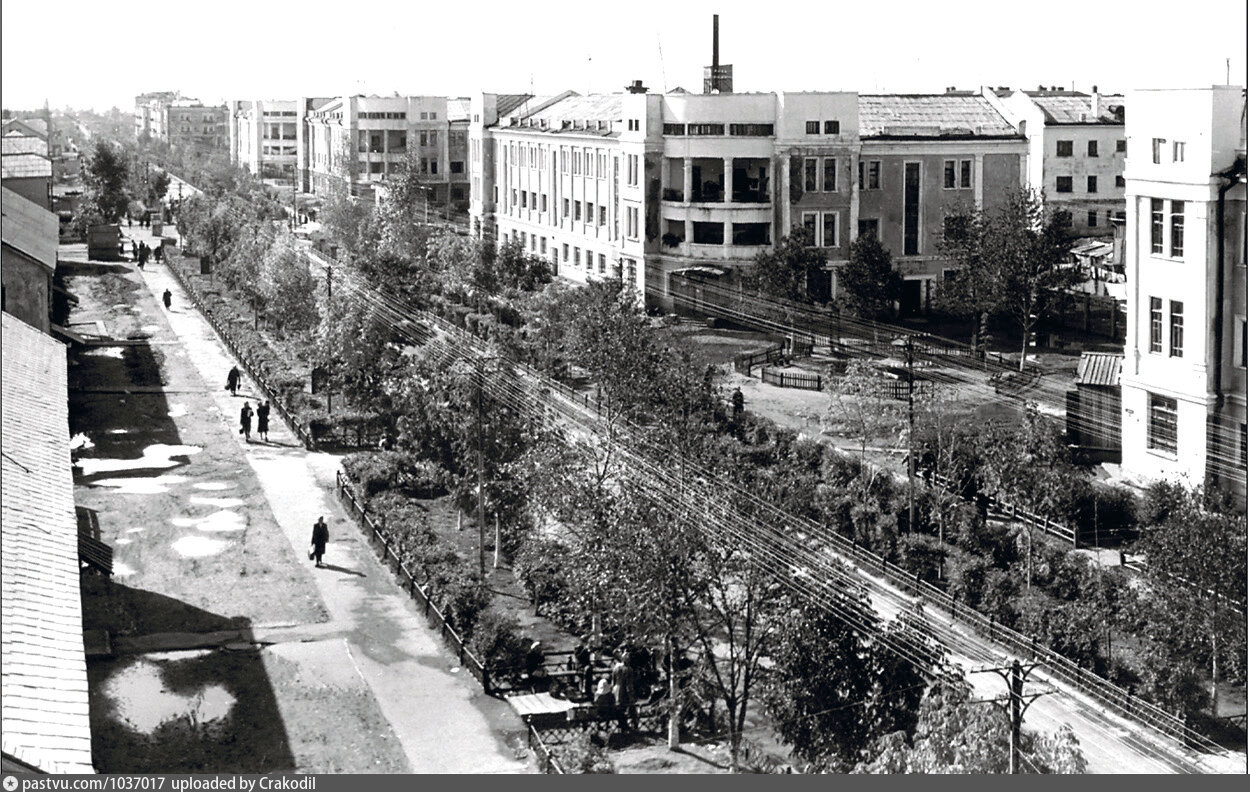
(715, 41)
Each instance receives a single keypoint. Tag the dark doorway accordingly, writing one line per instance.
(912, 298)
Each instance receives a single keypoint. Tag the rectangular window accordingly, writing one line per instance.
(544, 202)
(603, 263)
(1063, 184)
(603, 216)
(1092, 219)
(565, 249)
(809, 174)
(1240, 355)
(632, 216)
(708, 233)
(674, 129)
(870, 175)
(829, 229)
(1119, 182)
(1156, 226)
(1063, 148)
(705, 129)
(813, 127)
(832, 127)
(577, 256)
(1176, 334)
(524, 201)
(564, 209)
(809, 228)
(1156, 324)
(577, 210)
(911, 209)
(1178, 229)
(948, 175)
(1121, 146)
(1178, 151)
(542, 245)
(1161, 426)
(1091, 184)
(965, 174)
(1156, 150)
(433, 166)
(831, 174)
(1092, 151)
(871, 228)
(514, 198)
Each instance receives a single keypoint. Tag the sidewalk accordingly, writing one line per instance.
(438, 713)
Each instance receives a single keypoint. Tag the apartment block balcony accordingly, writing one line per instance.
(711, 180)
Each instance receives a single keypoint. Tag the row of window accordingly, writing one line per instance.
(1176, 327)
(821, 228)
(828, 166)
(1175, 236)
(1063, 148)
(735, 130)
(1159, 145)
(831, 127)
(384, 115)
(1161, 429)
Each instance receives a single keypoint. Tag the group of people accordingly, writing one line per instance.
(145, 220)
(233, 378)
(631, 677)
(142, 252)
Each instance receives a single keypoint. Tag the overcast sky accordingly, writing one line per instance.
(100, 54)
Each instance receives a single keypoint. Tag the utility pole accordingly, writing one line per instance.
(481, 510)
(911, 434)
(1016, 704)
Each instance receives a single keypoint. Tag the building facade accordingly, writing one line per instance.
(27, 260)
(1077, 151)
(150, 117)
(1184, 378)
(642, 185)
(264, 137)
(195, 126)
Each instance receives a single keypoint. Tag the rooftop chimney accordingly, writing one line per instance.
(715, 41)
(636, 87)
(717, 78)
(1093, 102)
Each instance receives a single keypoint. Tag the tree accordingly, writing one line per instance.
(789, 270)
(868, 284)
(1012, 259)
(106, 175)
(955, 734)
(1195, 576)
(860, 408)
(289, 289)
(401, 216)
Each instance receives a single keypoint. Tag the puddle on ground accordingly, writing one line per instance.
(177, 410)
(122, 569)
(178, 654)
(144, 703)
(141, 486)
(156, 455)
(135, 530)
(113, 352)
(198, 546)
(221, 503)
(121, 540)
(213, 485)
(223, 520)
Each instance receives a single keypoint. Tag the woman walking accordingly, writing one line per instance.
(262, 421)
(320, 536)
(245, 421)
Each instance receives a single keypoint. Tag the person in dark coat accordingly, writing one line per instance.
(168, 297)
(245, 421)
(738, 403)
(320, 536)
(134, 249)
(623, 690)
(232, 381)
(158, 252)
(262, 421)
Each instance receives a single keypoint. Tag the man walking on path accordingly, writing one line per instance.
(168, 297)
(245, 421)
(232, 381)
(262, 420)
(320, 535)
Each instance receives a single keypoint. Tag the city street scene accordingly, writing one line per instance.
(665, 400)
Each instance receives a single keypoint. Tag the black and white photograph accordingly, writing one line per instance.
(661, 388)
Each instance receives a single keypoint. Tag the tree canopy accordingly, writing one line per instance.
(789, 270)
(868, 284)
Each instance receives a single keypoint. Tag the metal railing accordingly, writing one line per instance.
(547, 761)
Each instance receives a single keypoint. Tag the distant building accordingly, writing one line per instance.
(195, 126)
(46, 717)
(150, 120)
(27, 259)
(264, 137)
(28, 175)
(1077, 151)
(1184, 378)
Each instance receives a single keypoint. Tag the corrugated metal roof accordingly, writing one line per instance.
(930, 115)
(26, 126)
(29, 228)
(25, 166)
(1070, 109)
(593, 107)
(14, 143)
(44, 708)
(1099, 368)
(506, 103)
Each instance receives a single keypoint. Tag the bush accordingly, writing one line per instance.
(497, 640)
(373, 471)
(541, 567)
(459, 594)
(921, 555)
(585, 755)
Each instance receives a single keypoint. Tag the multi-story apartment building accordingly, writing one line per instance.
(643, 185)
(150, 114)
(264, 137)
(1077, 151)
(358, 141)
(192, 125)
(1184, 376)
(923, 157)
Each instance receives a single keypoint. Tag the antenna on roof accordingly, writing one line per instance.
(663, 76)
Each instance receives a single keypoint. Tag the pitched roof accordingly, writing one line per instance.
(1099, 368)
(29, 126)
(25, 166)
(45, 714)
(458, 109)
(16, 143)
(1076, 109)
(29, 228)
(592, 107)
(506, 103)
(930, 115)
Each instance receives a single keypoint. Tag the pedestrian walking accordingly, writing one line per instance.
(738, 403)
(134, 249)
(262, 421)
(158, 253)
(168, 297)
(623, 690)
(245, 421)
(320, 536)
(232, 381)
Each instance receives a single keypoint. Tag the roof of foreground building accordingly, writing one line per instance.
(29, 228)
(930, 115)
(44, 710)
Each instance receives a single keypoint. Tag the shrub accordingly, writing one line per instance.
(373, 471)
(921, 555)
(497, 640)
(585, 755)
(541, 567)
(459, 594)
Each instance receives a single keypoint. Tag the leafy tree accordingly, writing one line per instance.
(208, 225)
(868, 284)
(955, 734)
(354, 349)
(289, 290)
(788, 270)
(1012, 258)
(402, 231)
(158, 186)
(860, 408)
(512, 268)
(105, 176)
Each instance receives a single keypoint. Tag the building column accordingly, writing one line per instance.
(781, 194)
(729, 179)
(978, 181)
(687, 179)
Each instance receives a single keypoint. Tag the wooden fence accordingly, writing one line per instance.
(435, 617)
(788, 379)
(761, 357)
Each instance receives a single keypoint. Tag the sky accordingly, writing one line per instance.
(91, 54)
